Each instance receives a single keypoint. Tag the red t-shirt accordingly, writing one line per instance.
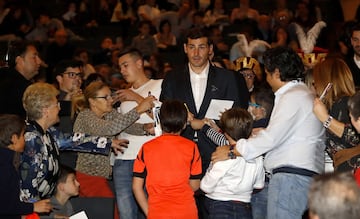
(168, 162)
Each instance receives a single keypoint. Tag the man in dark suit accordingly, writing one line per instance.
(197, 84)
(24, 64)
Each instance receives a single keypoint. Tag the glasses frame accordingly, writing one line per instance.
(74, 75)
(254, 105)
(107, 97)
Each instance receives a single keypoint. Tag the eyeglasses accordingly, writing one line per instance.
(107, 97)
(74, 74)
(254, 105)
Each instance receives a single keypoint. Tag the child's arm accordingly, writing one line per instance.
(194, 184)
(138, 189)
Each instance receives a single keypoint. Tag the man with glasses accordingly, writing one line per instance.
(68, 78)
(24, 64)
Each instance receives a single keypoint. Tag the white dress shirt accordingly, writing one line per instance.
(294, 136)
(198, 84)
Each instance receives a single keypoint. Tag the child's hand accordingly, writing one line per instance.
(42, 206)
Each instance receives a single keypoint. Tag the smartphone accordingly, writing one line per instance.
(326, 90)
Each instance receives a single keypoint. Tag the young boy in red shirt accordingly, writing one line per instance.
(171, 167)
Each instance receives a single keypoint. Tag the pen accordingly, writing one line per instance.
(149, 94)
(187, 108)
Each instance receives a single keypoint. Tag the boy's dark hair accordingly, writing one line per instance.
(65, 171)
(10, 125)
(264, 96)
(237, 123)
(196, 33)
(286, 60)
(173, 116)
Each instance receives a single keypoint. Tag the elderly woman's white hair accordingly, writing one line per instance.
(37, 97)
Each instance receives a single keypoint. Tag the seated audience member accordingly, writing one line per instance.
(12, 143)
(144, 42)
(334, 196)
(228, 184)
(165, 38)
(39, 165)
(170, 193)
(82, 54)
(67, 187)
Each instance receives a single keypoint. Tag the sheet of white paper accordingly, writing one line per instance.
(80, 215)
(216, 107)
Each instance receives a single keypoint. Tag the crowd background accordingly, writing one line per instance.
(94, 35)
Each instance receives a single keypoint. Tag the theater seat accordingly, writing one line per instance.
(95, 208)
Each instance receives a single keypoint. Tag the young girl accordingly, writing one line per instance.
(12, 143)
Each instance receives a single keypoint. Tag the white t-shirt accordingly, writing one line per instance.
(135, 141)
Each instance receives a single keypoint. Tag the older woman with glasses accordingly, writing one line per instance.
(96, 116)
(39, 165)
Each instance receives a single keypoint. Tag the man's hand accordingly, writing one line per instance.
(221, 153)
(118, 145)
(127, 95)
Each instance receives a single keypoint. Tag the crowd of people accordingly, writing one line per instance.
(246, 127)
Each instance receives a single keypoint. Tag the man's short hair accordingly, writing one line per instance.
(17, 48)
(196, 33)
(286, 60)
(334, 196)
(133, 52)
(173, 116)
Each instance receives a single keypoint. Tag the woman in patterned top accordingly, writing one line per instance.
(333, 112)
(39, 166)
(96, 116)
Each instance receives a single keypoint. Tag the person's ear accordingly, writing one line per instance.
(276, 73)
(59, 79)
(211, 48)
(185, 48)
(139, 63)
(14, 141)
(18, 60)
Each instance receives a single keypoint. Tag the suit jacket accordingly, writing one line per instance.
(221, 84)
(12, 86)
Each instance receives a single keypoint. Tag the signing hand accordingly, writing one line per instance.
(146, 104)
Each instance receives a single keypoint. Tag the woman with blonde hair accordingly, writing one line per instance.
(96, 116)
(39, 167)
(332, 109)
